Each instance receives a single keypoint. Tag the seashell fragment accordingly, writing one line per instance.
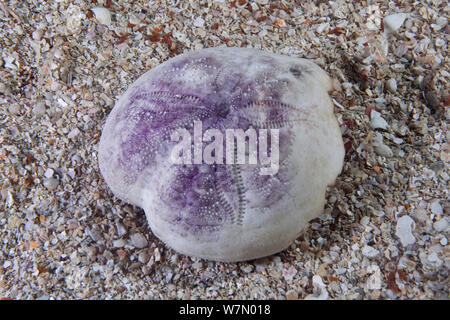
(102, 15)
(228, 150)
(394, 21)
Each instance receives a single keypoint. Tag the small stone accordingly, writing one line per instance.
(39, 108)
(197, 265)
(383, 150)
(138, 240)
(440, 225)
(157, 255)
(14, 108)
(91, 252)
(440, 42)
(120, 243)
(143, 257)
(280, 23)
(403, 230)
(442, 21)
(51, 183)
(122, 254)
(199, 22)
(364, 220)
(247, 268)
(436, 207)
(95, 233)
(73, 133)
(37, 34)
(49, 173)
(121, 229)
(444, 241)
(4, 89)
(369, 252)
(391, 85)
(374, 281)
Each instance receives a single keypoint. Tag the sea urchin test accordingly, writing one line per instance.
(228, 150)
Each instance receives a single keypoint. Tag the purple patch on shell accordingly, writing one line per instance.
(241, 93)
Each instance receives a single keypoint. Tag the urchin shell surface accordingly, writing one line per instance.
(223, 211)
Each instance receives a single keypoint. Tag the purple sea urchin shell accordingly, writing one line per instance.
(224, 211)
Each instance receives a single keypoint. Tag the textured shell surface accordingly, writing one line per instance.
(225, 211)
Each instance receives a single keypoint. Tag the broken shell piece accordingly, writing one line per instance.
(377, 121)
(394, 21)
(404, 230)
(164, 148)
(102, 15)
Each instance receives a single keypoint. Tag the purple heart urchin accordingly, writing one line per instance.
(228, 150)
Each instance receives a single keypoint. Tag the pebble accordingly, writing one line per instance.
(440, 225)
(383, 150)
(157, 255)
(143, 257)
(199, 22)
(120, 243)
(391, 85)
(440, 42)
(14, 108)
(444, 241)
(51, 183)
(4, 89)
(138, 240)
(365, 220)
(37, 34)
(39, 108)
(377, 121)
(436, 207)
(121, 229)
(49, 173)
(403, 231)
(374, 281)
(247, 268)
(73, 133)
(95, 233)
(442, 21)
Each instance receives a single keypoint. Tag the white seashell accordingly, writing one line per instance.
(403, 230)
(37, 34)
(394, 21)
(383, 150)
(376, 121)
(102, 15)
(199, 22)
